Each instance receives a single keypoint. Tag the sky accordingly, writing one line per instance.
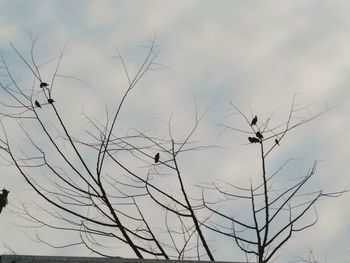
(256, 54)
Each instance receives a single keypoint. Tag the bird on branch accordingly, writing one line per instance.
(3, 199)
(253, 140)
(43, 85)
(156, 158)
(50, 101)
(254, 121)
(37, 104)
(259, 135)
(277, 142)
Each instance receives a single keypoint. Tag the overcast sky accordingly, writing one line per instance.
(257, 53)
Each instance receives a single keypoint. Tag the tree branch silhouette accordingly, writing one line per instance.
(99, 185)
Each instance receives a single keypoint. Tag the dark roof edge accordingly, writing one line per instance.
(66, 259)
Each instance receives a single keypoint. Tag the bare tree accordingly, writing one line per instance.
(90, 183)
(277, 209)
(100, 184)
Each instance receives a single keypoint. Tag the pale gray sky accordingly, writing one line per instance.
(256, 52)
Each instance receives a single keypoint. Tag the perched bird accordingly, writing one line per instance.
(277, 142)
(156, 158)
(43, 85)
(259, 135)
(254, 121)
(50, 101)
(253, 140)
(3, 199)
(37, 104)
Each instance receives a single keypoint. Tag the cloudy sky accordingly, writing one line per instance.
(257, 54)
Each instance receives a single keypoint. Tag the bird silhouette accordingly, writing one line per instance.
(254, 121)
(3, 199)
(277, 142)
(37, 104)
(259, 135)
(50, 101)
(156, 158)
(253, 140)
(43, 85)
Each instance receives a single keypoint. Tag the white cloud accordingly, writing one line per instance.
(218, 52)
